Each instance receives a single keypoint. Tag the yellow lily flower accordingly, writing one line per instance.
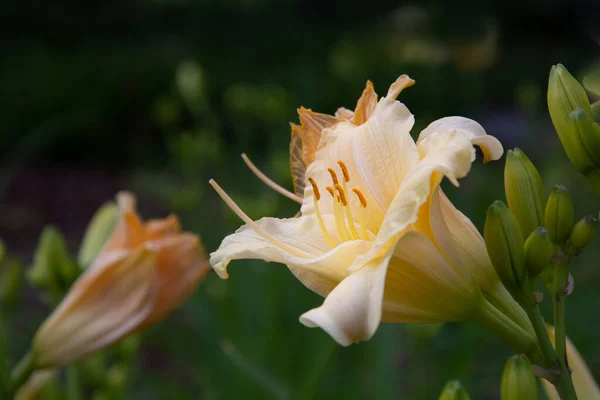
(144, 271)
(376, 236)
(585, 385)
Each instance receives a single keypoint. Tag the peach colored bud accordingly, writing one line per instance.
(144, 271)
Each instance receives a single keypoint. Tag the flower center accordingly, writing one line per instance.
(342, 210)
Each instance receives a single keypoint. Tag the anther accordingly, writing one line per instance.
(342, 195)
(334, 177)
(330, 190)
(361, 197)
(344, 170)
(315, 188)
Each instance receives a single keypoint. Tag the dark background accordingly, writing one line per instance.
(158, 96)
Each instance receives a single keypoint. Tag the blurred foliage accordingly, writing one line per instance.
(167, 93)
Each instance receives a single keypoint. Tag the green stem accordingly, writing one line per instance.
(21, 372)
(564, 383)
(73, 383)
(561, 279)
(539, 325)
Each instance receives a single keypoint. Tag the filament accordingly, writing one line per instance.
(344, 170)
(257, 228)
(316, 198)
(270, 183)
(361, 213)
(348, 211)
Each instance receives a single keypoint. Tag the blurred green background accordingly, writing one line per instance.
(158, 96)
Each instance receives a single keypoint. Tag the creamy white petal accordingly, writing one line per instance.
(421, 286)
(302, 234)
(490, 146)
(352, 311)
(378, 155)
(450, 155)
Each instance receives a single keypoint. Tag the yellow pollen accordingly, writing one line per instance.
(334, 177)
(361, 197)
(344, 170)
(315, 189)
(342, 195)
(330, 190)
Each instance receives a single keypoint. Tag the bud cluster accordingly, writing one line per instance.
(575, 122)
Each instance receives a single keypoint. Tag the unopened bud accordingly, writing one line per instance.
(560, 214)
(11, 278)
(97, 233)
(588, 131)
(504, 244)
(518, 380)
(565, 95)
(524, 191)
(538, 251)
(52, 266)
(454, 391)
(583, 233)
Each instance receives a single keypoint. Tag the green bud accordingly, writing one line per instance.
(454, 391)
(189, 78)
(524, 191)
(583, 233)
(116, 378)
(504, 244)
(596, 111)
(566, 95)
(11, 278)
(518, 380)
(128, 347)
(589, 132)
(52, 266)
(538, 251)
(97, 233)
(560, 215)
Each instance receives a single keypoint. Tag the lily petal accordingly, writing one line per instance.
(352, 311)
(365, 105)
(105, 304)
(378, 155)
(313, 262)
(129, 231)
(490, 146)
(585, 385)
(421, 286)
(460, 233)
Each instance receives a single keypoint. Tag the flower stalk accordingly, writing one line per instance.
(22, 371)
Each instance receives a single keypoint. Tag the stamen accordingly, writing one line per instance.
(267, 181)
(342, 194)
(244, 217)
(334, 177)
(316, 198)
(315, 188)
(330, 190)
(361, 213)
(348, 211)
(361, 197)
(344, 170)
